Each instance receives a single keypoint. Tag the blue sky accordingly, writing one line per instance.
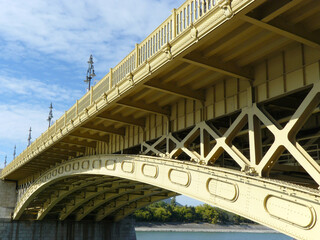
(44, 49)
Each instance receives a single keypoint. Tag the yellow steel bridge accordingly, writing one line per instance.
(219, 103)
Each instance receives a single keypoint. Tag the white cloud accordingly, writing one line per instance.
(16, 87)
(71, 29)
(17, 119)
(24, 103)
(15, 122)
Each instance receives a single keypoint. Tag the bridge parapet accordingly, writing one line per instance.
(8, 199)
(159, 47)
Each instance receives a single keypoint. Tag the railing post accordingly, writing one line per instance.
(65, 118)
(137, 56)
(174, 23)
(110, 78)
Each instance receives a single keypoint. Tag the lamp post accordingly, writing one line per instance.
(90, 72)
(29, 138)
(5, 161)
(50, 115)
(14, 152)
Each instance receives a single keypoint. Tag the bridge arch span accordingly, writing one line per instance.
(116, 185)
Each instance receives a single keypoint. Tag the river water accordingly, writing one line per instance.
(209, 236)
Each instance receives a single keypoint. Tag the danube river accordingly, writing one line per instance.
(209, 236)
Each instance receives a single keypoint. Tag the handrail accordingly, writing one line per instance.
(180, 19)
(126, 66)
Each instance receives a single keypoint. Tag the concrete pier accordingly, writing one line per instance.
(8, 199)
(67, 230)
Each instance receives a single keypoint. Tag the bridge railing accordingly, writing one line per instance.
(153, 43)
(174, 25)
(84, 101)
(180, 20)
(101, 87)
(190, 12)
(126, 66)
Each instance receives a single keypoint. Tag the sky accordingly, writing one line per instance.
(44, 49)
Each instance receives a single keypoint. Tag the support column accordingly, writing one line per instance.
(8, 198)
(68, 230)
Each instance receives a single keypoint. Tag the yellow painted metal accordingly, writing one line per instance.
(290, 209)
(216, 81)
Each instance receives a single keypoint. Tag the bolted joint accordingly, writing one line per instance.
(129, 77)
(86, 110)
(167, 50)
(148, 67)
(105, 97)
(194, 32)
(251, 171)
(226, 6)
(202, 162)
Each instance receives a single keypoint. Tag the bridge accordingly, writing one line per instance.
(219, 103)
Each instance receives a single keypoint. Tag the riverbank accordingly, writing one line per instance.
(200, 227)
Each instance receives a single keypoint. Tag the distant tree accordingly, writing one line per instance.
(189, 214)
(143, 215)
(161, 214)
(236, 219)
(173, 201)
(223, 216)
(172, 212)
(207, 213)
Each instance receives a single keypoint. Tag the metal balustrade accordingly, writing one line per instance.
(101, 87)
(71, 113)
(126, 66)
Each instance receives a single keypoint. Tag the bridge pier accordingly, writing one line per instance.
(67, 230)
(54, 230)
(8, 199)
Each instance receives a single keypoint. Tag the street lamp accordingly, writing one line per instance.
(14, 151)
(90, 72)
(50, 115)
(29, 138)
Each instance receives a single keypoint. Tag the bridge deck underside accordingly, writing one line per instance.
(90, 197)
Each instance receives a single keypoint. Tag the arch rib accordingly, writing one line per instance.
(86, 196)
(224, 188)
(52, 201)
(119, 203)
(119, 190)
